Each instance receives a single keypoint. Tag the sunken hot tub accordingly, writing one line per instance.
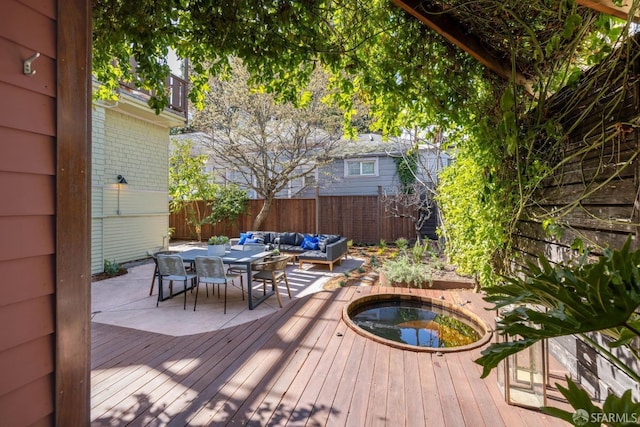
(416, 323)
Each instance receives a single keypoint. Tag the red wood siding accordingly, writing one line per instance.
(27, 217)
(45, 169)
(44, 162)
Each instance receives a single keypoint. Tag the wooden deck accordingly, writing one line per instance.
(300, 366)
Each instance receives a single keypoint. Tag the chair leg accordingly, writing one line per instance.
(287, 283)
(185, 295)
(195, 302)
(274, 281)
(275, 285)
(159, 288)
(153, 280)
(225, 297)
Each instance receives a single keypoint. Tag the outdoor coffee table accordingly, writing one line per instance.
(236, 257)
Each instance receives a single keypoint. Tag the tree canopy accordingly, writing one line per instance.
(267, 145)
(406, 73)
(375, 51)
(189, 185)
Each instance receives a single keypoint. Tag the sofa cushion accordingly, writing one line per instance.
(299, 239)
(244, 237)
(291, 248)
(332, 238)
(309, 243)
(288, 238)
(319, 255)
(269, 237)
(327, 239)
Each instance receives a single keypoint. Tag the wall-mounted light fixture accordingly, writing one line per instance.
(121, 181)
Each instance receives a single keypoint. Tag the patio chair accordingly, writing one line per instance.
(171, 267)
(273, 270)
(154, 256)
(210, 269)
(241, 269)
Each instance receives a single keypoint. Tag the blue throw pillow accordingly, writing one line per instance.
(251, 241)
(310, 243)
(244, 237)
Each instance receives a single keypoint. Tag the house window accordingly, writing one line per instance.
(361, 167)
(310, 180)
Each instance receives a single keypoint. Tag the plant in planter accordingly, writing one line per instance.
(405, 271)
(217, 245)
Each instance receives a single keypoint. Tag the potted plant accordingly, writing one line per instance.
(217, 245)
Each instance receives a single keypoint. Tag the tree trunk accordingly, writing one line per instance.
(262, 215)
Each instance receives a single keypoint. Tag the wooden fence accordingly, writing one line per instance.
(595, 195)
(359, 218)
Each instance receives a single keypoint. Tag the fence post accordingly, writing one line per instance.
(379, 216)
(317, 194)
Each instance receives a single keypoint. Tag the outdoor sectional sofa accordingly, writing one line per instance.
(305, 248)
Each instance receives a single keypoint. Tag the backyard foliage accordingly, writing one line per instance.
(409, 265)
(553, 301)
(266, 145)
(417, 166)
(189, 184)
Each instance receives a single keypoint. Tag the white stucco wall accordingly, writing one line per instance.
(128, 220)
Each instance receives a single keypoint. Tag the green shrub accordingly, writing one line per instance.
(402, 243)
(404, 269)
(374, 261)
(111, 268)
(218, 240)
(419, 251)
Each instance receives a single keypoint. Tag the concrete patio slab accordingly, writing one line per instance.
(125, 301)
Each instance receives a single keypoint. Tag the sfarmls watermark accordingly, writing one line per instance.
(582, 417)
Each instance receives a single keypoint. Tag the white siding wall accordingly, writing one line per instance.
(130, 220)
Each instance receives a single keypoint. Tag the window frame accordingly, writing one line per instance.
(361, 161)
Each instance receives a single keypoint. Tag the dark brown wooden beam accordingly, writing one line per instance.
(435, 18)
(73, 213)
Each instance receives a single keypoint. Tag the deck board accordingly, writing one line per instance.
(299, 366)
(414, 406)
(433, 411)
(377, 410)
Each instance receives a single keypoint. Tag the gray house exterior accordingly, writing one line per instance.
(366, 166)
(361, 167)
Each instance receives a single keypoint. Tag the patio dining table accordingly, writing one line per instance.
(236, 257)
